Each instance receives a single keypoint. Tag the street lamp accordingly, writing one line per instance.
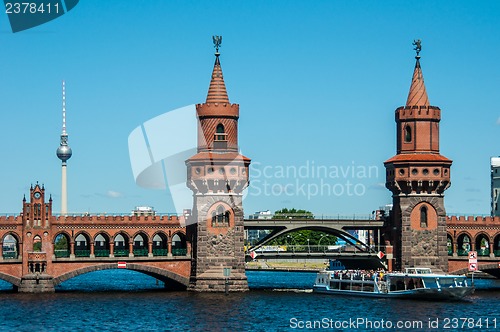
(308, 247)
(322, 236)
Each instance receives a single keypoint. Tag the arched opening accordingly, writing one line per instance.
(10, 247)
(407, 134)
(221, 133)
(220, 137)
(423, 217)
(101, 245)
(496, 245)
(449, 244)
(61, 245)
(107, 278)
(482, 245)
(179, 247)
(160, 245)
(463, 245)
(82, 246)
(121, 245)
(220, 217)
(140, 245)
(37, 243)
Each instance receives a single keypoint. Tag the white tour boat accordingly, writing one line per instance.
(415, 283)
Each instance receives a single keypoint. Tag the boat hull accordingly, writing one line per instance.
(443, 294)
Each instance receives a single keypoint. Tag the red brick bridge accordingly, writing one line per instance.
(481, 234)
(39, 250)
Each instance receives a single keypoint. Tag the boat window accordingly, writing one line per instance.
(431, 283)
(446, 282)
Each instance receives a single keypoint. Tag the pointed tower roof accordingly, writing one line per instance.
(417, 95)
(217, 91)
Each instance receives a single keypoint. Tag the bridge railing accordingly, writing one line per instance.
(326, 249)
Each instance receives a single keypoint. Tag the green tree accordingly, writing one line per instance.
(61, 243)
(301, 237)
(293, 214)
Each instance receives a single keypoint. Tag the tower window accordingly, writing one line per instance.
(407, 134)
(220, 217)
(423, 217)
(220, 133)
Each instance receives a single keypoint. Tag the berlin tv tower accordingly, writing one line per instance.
(64, 153)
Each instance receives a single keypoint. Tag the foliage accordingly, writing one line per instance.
(61, 243)
(293, 214)
(301, 237)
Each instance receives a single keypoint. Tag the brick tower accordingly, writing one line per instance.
(37, 247)
(217, 175)
(417, 176)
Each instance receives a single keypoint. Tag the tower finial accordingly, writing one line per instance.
(217, 42)
(418, 47)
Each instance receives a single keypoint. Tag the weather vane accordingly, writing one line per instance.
(418, 46)
(217, 41)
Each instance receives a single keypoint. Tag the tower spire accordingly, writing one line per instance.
(418, 94)
(217, 91)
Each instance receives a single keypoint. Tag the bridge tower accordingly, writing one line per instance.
(37, 243)
(417, 176)
(217, 175)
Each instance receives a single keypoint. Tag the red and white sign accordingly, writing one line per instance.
(472, 266)
(472, 256)
(380, 255)
(253, 254)
(122, 265)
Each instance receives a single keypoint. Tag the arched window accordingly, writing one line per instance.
(407, 134)
(423, 217)
(220, 133)
(220, 128)
(220, 137)
(220, 217)
(37, 243)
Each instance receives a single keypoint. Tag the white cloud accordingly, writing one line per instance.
(114, 194)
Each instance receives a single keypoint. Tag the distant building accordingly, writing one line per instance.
(255, 235)
(495, 186)
(143, 211)
(262, 215)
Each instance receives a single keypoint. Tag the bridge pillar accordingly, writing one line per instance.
(217, 175)
(92, 249)
(36, 283)
(131, 248)
(169, 246)
(150, 249)
(72, 249)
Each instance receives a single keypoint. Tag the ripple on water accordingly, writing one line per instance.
(115, 300)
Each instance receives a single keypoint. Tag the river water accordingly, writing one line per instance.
(120, 300)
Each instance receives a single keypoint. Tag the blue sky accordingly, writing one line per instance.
(317, 83)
